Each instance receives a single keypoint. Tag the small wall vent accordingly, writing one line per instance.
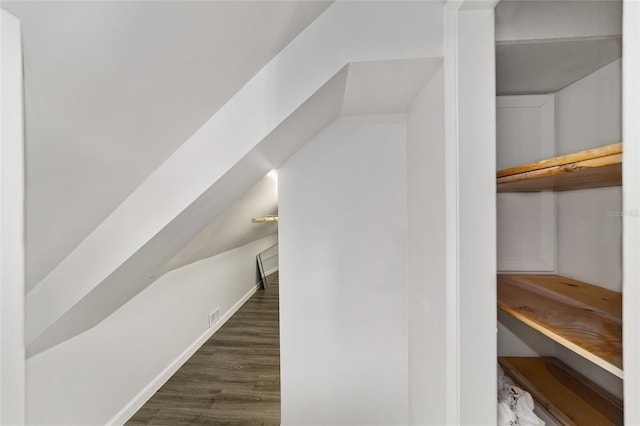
(214, 317)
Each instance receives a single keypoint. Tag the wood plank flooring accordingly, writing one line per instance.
(233, 379)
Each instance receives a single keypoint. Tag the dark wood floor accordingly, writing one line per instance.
(233, 379)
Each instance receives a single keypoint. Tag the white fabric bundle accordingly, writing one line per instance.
(515, 406)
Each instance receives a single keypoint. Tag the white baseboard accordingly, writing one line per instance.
(145, 394)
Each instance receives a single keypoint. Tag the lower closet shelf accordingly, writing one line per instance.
(563, 393)
(582, 317)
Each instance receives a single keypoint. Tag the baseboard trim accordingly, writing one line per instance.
(147, 392)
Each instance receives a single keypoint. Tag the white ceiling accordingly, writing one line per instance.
(113, 88)
(546, 66)
(544, 46)
(548, 19)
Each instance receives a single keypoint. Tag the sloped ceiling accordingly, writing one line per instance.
(544, 46)
(233, 228)
(223, 159)
(212, 212)
(114, 88)
(381, 87)
(549, 19)
(548, 66)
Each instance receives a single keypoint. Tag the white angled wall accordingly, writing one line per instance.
(343, 276)
(589, 111)
(589, 114)
(107, 372)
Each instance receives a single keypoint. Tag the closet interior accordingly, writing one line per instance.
(559, 206)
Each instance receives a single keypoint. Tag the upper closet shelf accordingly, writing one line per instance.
(582, 317)
(593, 168)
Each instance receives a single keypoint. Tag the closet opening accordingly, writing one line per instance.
(559, 212)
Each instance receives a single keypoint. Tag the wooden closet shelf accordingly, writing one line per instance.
(582, 317)
(593, 168)
(569, 397)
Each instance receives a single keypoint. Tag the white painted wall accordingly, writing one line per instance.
(631, 192)
(525, 221)
(426, 254)
(589, 111)
(12, 247)
(589, 114)
(343, 276)
(590, 236)
(107, 372)
(525, 129)
(470, 212)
